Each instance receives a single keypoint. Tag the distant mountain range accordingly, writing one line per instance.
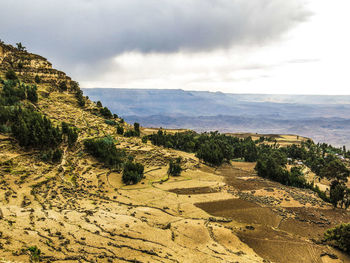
(323, 118)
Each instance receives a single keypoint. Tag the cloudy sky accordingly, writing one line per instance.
(236, 46)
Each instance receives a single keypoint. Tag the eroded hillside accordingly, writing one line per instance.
(78, 210)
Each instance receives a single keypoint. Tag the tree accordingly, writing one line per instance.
(20, 47)
(37, 79)
(80, 98)
(120, 130)
(137, 128)
(335, 170)
(105, 112)
(132, 173)
(339, 237)
(63, 86)
(99, 104)
(32, 94)
(57, 155)
(337, 192)
(104, 150)
(175, 167)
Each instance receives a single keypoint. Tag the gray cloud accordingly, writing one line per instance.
(76, 34)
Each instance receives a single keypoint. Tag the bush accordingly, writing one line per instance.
(339, 237)
(104, 150)
(175, 167)
(132, 173)
(99, 104)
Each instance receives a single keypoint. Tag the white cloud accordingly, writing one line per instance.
(311, 59)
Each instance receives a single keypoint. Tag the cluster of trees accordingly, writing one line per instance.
(337, 173)
(213, 148)
(321, 160)
(52, 155)
(175, 167)
(273, 166)
(132, 173)
(339, 237)
(104, 150)
(13, 92)
(29, 127)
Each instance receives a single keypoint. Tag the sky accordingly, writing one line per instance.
(234, 46)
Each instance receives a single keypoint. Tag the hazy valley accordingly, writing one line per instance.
(322, 118)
